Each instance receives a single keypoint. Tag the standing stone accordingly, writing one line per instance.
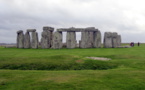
(84, 39)
(90, 40)
(46, 40)
(57, 40)
(119, 40)
(97, 39)
(108, 40)
(20, 39)
(114, 39)
(71, 40)
(27, 43)
(34, 42)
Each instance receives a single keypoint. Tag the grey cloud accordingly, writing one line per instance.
(102, 14)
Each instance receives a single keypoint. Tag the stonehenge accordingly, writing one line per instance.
(112, 40)
(90, 38)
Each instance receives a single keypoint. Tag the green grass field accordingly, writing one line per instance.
(69, 69)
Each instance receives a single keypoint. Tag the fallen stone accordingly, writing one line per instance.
(99, 58)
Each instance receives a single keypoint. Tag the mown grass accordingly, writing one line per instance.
(50, 59)
(73, 80)
(68, 69)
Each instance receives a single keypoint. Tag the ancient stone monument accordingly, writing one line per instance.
(46, 40)
(20, 39)
(111, 40)
(90, 38)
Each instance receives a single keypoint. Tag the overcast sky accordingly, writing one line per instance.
(127, 17)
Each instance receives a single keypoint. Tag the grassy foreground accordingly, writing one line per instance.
(69, 69)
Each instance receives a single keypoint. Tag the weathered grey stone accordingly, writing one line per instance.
(57, 40)
(108, 40)
(48, 28)
(71, 40)
(97, 39)
(80, 43)
(90, 28)
(34, 42)
(46, 40)
(31, 30)
(84, 39)
(90, 40)
(20, 31)
(27, 43)
(20, 39)
(114, 39)
(72, 29)
(119, 40)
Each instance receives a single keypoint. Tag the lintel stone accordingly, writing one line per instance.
(20, 31)
(31, 30)
(72, 29)
(48, 28)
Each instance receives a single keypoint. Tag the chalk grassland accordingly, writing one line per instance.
(68, 69)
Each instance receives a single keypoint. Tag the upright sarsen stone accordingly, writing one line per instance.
(97, 39)
(90, 39)
(27, 43)
(71, 39)
(83, 40)
(108, 40)
(57, 40)
(114, 39)
(119, 40)
(20, 39)
(34, 42)
(46, 40)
